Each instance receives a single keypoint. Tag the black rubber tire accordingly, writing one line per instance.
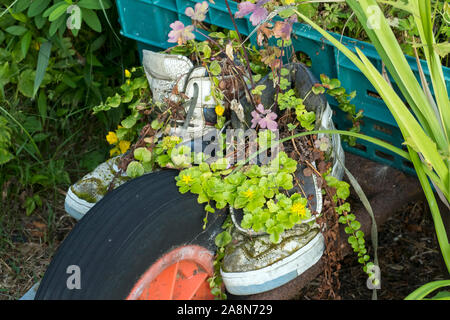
(124, 234)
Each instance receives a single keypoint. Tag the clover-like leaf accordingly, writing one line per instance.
(222, 239)
(142, 154)
(135, 169)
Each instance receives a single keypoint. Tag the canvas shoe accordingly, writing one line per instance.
(164, 72)
(253, 264)
(85, 193)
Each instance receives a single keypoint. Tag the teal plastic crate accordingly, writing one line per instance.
(147, 22)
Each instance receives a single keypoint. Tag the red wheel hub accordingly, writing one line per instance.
(181, 274)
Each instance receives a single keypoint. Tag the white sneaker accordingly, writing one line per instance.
(257, 265)
(84, 194)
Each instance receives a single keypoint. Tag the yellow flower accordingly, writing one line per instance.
(248, 193)
(187, 179)
(219, 110)
(299, 209)
(289, 2)
(114, 152)
(124, 146)
(128, 82)
(112, 138)
(127, 73)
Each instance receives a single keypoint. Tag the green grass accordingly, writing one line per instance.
(30, 230)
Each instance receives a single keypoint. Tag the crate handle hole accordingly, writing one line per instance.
(408, 164)
(374, 94)
(382, 129)
(360, 147)
(304, 58)
(384, 155)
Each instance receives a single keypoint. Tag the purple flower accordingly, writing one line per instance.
(259, 13)
(180, 34)
(199, 11)
(264, 118)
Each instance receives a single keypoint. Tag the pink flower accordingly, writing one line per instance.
(322, 144)
(199, 13)
(264, 118)
(259, 13)
(180, 34)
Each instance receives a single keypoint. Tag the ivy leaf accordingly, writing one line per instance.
(247, 221)
(318, 89)
(343, 190)
(135, 169)
(130, 121)
(215, 68)
(142, 154)
(334, 83)
(222, 239)
(114, 101)
(355, 225)
(258, 89)
(208, 208)
(284, 180)
(336, 92)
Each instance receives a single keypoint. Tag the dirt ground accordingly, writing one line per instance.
(408, 255)
(27, 244)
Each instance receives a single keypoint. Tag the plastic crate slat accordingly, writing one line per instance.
(147, 22)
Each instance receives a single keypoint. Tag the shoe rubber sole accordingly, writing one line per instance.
(75, 206)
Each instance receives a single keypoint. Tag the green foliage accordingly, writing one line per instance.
(426, 127)
(134, 94)
(50, 76)
(333, 88)
(340, 18)
(221, 241)
(352, 226)
(258, 190)
(288, 100)
(5, 141)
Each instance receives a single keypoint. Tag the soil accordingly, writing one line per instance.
(408, 255)
(27, 245)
